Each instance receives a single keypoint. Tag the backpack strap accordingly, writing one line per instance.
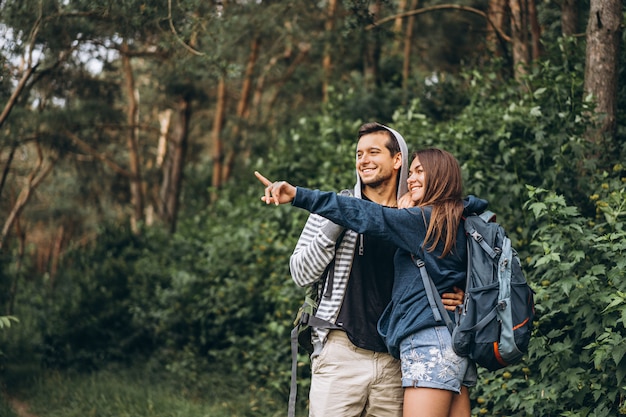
(330, 273)
(313, 322)
(436, 305)
(473, 233)
(293, 389)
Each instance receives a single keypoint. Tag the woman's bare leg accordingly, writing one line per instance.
(461, 404)
(427, 402)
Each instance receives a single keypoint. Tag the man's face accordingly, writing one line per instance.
(374, 162)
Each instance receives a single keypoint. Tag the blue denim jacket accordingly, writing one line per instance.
(409, 310)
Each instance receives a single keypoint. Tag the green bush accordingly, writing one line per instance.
(575, 365)
(89, 314)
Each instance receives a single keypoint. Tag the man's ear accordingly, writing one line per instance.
(397, 160)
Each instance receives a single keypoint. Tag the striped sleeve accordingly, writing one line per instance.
(312, 254)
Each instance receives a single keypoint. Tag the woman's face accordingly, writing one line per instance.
(416, 181)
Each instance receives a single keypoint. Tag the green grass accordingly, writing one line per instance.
(133, 393)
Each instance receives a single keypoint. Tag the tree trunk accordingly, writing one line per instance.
(7, 167)
(134, 165)
(165, 118)
(371, 54)
(397, 27)
(604, 33)
(156, 205)
(408, 37)
(16, 93)
(173, 166)
(519, 36)
(216, 137)
(55, 253)
(497, 15)
(37, 175)
(303, 50)
(329, 26)
(243, 110)
(569, 17)
(535, 30)
(19, 261)
(30, 69)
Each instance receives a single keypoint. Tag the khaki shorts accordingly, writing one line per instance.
(349, 381)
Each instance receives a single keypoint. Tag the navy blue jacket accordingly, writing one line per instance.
(409, 310)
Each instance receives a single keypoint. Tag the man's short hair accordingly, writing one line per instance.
(373, 127)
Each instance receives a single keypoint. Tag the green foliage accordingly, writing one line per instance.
(575, 365)
(218, 291)
(231, 299)
(5, 321)
(88, 319)
(321, 153)
(511, 135)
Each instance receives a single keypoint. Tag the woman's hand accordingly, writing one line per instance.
(279, 192)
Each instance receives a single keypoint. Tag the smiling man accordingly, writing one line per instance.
(352, 372)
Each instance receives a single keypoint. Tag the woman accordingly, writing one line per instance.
(432, 373)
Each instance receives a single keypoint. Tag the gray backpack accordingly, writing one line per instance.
(494, 324)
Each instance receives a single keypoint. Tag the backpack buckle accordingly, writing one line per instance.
(304, 319)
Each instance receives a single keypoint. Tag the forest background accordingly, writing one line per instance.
(141, 275)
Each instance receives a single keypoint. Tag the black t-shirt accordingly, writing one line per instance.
(368, 292)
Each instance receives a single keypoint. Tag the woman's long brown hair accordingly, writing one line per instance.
(444, 193)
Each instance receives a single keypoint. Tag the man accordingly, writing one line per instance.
(352, 373)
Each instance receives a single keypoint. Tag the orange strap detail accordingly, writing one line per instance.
(496, 352)
(521, 324)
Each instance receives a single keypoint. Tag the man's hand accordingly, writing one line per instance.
(452, 299)
(406, 201)
(279, 192)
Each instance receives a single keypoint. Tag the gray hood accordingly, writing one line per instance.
(404, 170)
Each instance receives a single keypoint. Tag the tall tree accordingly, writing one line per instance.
(569, 17)
(174, 161)
(329, 27)
(372, 49)
(217, 156)
(519, 35)
(243, 109)
(408, 46)
(398, 25)
(604, 34)
(496, 13)
(134, 159)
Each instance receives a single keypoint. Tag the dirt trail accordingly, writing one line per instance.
(20, 408)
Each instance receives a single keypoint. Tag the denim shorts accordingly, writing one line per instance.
(428, 361)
